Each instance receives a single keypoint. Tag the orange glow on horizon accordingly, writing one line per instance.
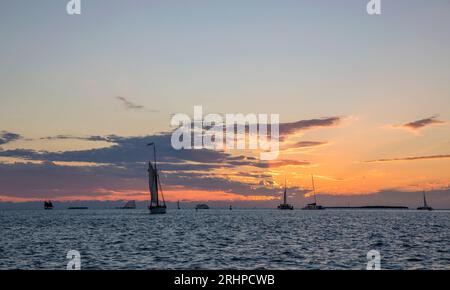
(188, 195)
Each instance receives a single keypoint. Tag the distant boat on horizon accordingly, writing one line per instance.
(78, 207)
(131, 204)
(285, 205)
(314, 205)
(155, 188)
(425, 205)
(178, 204)
(48, 204)
(201, 206)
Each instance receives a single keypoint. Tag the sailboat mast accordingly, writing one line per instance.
(424, 200)
(314, 188)
(154, 154)
(156, 175)
(285, 197)
(150, 178)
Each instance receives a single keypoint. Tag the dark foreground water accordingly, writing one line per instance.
(222, 239)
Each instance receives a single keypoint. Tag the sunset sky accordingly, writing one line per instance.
(364, 101)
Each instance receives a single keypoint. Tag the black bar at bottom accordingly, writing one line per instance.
(223, 279)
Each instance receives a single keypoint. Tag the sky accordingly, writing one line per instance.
(366, 98)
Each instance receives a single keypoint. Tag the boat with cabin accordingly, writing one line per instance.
(314, 205)
(48, 204)
(201, 206)
(425, 205)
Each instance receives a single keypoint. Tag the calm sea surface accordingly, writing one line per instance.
(223, 239)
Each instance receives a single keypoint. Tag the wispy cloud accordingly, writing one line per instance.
(302, 146)
(6, 137)
(419, 124)
(290, 128)
(129, 105)
(85, 138)
(282, 163)
(409, 158)
(307, 144)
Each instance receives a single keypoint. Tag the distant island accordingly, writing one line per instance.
(367, 207)
(78, 207)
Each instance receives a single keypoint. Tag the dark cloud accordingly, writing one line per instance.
(123, 164)
(123, 161)
(6, 137)
(48, 180)
(125, 150)
(409, 158)
(290, 128)
(421, 123)
(285, 129)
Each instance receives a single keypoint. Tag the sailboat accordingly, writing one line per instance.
(178, 204)
(425, 205)
(285, 205)
(313, 206)
(156, 206)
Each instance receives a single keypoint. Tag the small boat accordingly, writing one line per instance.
(285, 205)
(201, 206)
(314, 205)
(78, 207)
(425, 205)
(231, 207)
(178, 205)
(156, 206)
(48, 204)
(129, 205)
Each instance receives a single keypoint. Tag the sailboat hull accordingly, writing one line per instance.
(157, 209)
(313, 206)
(424, 208)
(286, 206)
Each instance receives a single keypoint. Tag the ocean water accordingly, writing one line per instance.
(223, 239)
